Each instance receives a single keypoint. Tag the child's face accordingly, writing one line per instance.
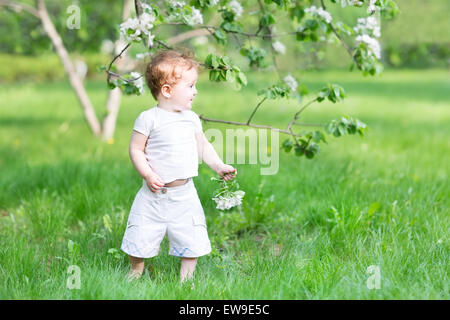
(184, 91)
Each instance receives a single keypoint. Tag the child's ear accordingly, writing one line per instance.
(165, 91)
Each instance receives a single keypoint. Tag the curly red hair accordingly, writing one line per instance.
(166, 67)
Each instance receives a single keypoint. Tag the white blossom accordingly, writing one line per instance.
(130, 30)
(227, 202)
(368, 25)
(177, 4)
(139, 82)
(134, 29)
(290, 82)
(146, 8)
(313, 10)
(373, 44)
(371, 8)
(236, 8)
(213, 2)
(279, 47)
(196, 18)
(146, 20)
(351, 3)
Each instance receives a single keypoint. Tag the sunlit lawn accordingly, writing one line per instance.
(309, 232)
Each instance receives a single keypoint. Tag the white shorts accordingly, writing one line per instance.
(176, 211)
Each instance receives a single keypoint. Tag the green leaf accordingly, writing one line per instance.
(229, 76)
(318, 136)
(299, 151)
(225, 61)
(287, 145)
(267, 19)
(242, 78)
(220, 36)
(208, 60)
(311, 24)
(212, 76)
(297, 13)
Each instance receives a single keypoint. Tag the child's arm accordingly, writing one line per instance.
(137, 156)
(207, 153)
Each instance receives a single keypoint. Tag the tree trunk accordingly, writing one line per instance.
(114, 95)
(75, 81)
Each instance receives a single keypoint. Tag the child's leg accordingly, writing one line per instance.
(187, 268)
(137, 267)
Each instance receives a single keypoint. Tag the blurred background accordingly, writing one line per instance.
(417, 38)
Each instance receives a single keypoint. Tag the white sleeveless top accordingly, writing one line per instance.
(171, 147)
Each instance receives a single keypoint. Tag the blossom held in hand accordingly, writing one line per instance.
(234, 199)
(228, 196)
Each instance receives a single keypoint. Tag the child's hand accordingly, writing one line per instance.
(154, 182)
(227, 172)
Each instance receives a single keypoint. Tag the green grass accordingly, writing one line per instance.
(389, 192)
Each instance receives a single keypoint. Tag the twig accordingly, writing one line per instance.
(108, 71)
(17, 6)
(298, 113)
(254, 111)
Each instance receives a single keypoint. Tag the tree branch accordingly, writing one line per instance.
(288, 132)
(75, 81)
(17, 6)
(349, 50)
(298, 113)
(272, 50)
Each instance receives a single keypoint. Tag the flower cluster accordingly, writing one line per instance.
(314, 11)
(196, 18)
(229, 201)
(369, 26)
(372, 43)
(291, 82)
(134, 29)
(138, 81)
(228, 196)
(177, 4)
(236, 8)
(368, 29)
(371, 8)
(351, 3)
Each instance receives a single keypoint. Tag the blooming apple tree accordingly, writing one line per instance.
(313, 22)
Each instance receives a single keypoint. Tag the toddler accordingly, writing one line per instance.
(165, 145)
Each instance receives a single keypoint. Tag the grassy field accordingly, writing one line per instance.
(309, 232)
